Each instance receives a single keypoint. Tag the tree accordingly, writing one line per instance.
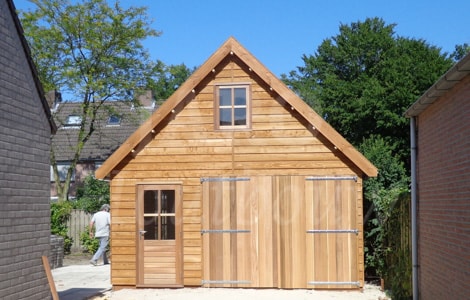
(168, 79)
(92, 194)
(363, 80)
(460, 51)
(91, 51)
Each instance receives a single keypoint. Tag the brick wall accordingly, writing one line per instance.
(24, 172)
(444, 196)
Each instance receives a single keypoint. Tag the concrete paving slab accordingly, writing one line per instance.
(79, 282)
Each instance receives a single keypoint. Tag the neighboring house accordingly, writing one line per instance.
(440, 133)
(116, 121)
(25, 129)
(236, 182)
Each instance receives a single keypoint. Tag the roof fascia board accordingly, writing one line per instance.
(32, 66)
(232, 47)
(447, 81)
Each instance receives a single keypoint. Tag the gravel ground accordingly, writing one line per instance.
(370, 291)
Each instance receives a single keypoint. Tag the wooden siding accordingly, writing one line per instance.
(185, 148)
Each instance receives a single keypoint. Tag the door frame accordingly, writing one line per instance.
(178, 188)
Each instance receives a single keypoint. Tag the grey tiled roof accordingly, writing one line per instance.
(105, 139)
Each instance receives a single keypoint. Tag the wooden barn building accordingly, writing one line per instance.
(236, 182)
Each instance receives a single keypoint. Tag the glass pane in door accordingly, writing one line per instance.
(150, 202)
(151, 228)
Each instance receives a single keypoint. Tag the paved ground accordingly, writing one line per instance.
(79, 280)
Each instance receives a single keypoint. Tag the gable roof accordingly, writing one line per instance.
(453, 76)
(106, 138)
(32, 66)
(233, 47)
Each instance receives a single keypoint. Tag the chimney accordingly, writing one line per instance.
(146, 98)
(53, 98)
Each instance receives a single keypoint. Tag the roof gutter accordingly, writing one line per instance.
(447, 81)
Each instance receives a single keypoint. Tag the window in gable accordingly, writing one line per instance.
(232, 106)
(114, 120)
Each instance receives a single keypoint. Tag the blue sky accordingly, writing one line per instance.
(279, 32)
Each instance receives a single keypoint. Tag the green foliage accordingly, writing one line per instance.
(89, 48)
(363, 80)
(89, 244)
(460, 51)
(92, 194)
(168, 79)
(60, 214)
(91, 51)
(380, 195)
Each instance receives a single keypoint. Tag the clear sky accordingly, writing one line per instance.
(279, 32)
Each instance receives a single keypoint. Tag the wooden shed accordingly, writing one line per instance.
(236, 182)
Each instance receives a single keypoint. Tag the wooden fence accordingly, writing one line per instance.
(398, 240)
(79, 219)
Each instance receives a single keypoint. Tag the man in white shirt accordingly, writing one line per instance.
(101, 221)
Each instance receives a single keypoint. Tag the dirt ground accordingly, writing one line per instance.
(370, 291)
(76, 259)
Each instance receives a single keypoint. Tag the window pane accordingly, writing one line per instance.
(151, 228)
(150, 202)
(240, 116)
(73, 120)
(168, 202)
(240, 96)
(225, 116)
(114, 120)
(168, 228)
(225, 97)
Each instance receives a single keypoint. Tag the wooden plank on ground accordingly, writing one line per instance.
(50, 279)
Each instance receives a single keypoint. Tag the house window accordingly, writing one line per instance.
(73, 121)
(114, 120)
(232, 106)
(63, 169)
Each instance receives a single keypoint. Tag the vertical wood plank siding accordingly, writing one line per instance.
(187, 148)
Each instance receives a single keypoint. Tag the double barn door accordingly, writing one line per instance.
(280, 231)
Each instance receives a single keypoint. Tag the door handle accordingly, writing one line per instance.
(141, 233)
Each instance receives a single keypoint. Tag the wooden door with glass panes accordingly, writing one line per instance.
(159, 235)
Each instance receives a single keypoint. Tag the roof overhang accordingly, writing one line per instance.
(453, 76)
(233, 47)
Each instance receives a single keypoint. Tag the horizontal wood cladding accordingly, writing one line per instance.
(123, 230)
(186, 147)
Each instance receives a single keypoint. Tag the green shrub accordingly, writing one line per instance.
(92, 194)
(60, 214)
(89, 244)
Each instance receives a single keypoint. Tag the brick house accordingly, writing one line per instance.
(440, 130)
(116, 121)
(25, 129)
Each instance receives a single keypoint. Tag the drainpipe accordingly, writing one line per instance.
(414, 229)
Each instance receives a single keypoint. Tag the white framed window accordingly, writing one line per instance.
(232, 106)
